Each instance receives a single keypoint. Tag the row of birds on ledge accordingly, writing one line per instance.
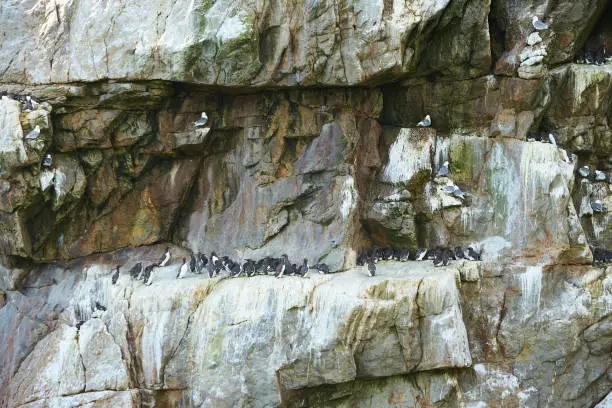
(601, 255)
(199, 263)
(441, 256)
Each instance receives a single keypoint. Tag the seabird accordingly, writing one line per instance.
(214, 259)
(387, 253)
(115, 275)
(371, 267)
(443, 170)
(202, 261)
(165, 258)
(249, 267)
(597, 207)
(437, 261)
(211, 270)
(202, 121)
(47, 160)
(100, 307)
(361, 259)
(282, 267)
(421, 254)
(183, 269)
(322, 268)
(451, 188)
(552, 139)
(459, 254)
(235, 270)
(148, 274)
(425, 122)
(565, 156)
(472, 255)
(33, 134)
(538, 25)
(136, 271)
(193, 263)
(303, 269)
(599, 175)
(584, 171)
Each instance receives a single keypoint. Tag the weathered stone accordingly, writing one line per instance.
(58, 367)
(102, 361)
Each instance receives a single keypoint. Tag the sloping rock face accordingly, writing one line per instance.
(311, 150)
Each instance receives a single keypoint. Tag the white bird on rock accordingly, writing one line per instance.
(584, 171)
(599, 175)
(33, 134)
(202, 121)
(183, 269)
(165, 257)
(597, 207)
(538, 25)
(425, 122)
(47, 161)
(443, 170)
(552, 139)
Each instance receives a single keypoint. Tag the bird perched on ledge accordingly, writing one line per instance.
(202, 121)
(426, 122)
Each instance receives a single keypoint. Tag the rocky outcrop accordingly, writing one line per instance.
(311, 149)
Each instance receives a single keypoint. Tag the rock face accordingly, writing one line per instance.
(311, 149)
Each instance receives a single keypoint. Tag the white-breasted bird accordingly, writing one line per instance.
(443, 170)
(597, 207)
(33, 134)
(599, 175)
(584, 171)
(538, 25)
(183, 270)
(552, 139)
(202, 121)
(165, 257)
(425, 122)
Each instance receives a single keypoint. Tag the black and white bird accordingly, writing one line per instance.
(426, 122)
(136, 271)
(538, 25)
(165, 258)
(551, 139)
(249, 267)
(451, 188)
(47, 160)
(472, 255)
(202, 121)
(596, 206)
(438, 256)
(193, 263)
(182, 270)
(210, 269)
(584, 171)
(599, 175)
(443, 170)
(148, 274)
(283, 266)
(100, 307)
(303, 269)
(33, 134)
(421, 254)
(371, 267)
(322, 268)
(115, 275)
(214, 259)
(459, 254)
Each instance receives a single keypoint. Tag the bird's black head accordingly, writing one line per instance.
(284, 256)
(305, 261)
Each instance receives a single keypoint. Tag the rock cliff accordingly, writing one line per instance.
(311, 149)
